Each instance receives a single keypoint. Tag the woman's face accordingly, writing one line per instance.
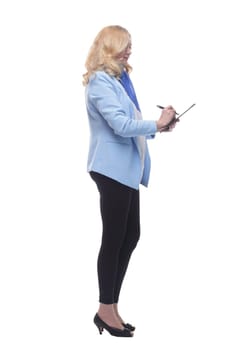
(124, 55)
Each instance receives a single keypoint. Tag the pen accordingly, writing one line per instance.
(161, 107)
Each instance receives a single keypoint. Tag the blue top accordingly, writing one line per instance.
(129, 88)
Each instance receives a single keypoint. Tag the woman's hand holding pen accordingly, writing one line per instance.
(167, 120)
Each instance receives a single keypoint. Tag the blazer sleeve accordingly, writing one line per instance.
(102, 93)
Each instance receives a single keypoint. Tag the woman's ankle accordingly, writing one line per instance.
(108, 314)
(115, 306)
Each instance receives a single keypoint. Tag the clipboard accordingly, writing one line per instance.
(175, 119)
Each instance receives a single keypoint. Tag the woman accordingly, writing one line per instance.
(118, 162)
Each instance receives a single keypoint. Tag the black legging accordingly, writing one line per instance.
(119, 205)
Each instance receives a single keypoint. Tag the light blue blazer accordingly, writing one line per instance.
(113, 149)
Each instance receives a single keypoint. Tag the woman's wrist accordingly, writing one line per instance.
(158, 125)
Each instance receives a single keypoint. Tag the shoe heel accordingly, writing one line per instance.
(100, 329)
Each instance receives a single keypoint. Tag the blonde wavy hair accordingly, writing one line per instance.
(108, 44)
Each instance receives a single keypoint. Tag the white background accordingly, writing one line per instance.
(178, 290)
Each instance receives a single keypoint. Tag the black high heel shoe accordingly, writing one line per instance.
(101, 325)
(129, 326)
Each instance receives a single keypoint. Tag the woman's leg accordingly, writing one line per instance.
(115, 204)
(121, 229)
(130, 241)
